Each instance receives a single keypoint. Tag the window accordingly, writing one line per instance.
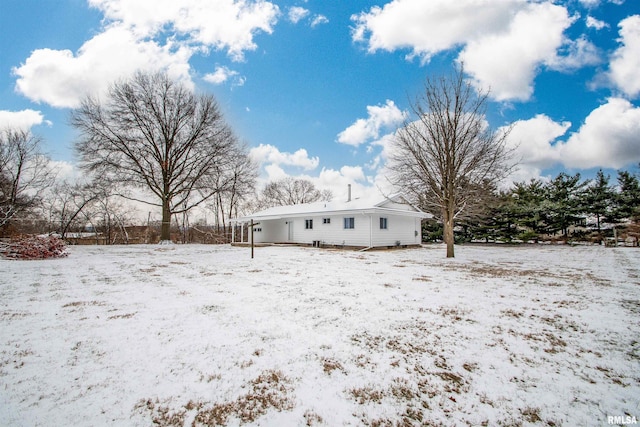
(349, 222)
(308, 224)
(326, 220)
(257, 229)
(383, 223)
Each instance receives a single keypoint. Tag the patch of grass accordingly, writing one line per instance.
(270, 390)
(329, 365)
(121, 316)
(312, 419)
(364, 395)
(531, 414)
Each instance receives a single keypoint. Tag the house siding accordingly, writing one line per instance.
(399, 229)
(366, 230)
(272, 231)
(333, 233)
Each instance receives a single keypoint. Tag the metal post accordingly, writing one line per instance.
(252, 239)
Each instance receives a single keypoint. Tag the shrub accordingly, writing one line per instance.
(35, 247)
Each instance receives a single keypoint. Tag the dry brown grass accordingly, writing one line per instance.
(270, 390)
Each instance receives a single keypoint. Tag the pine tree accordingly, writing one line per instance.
(627, 202)
(599, 198)
(566, 197)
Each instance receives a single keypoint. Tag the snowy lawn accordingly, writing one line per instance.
(203, 335)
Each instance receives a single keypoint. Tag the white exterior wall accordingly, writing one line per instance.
(366, 230)
(333, 233)
(273, 231)
(399, 229)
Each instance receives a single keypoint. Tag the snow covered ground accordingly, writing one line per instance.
(182, 335)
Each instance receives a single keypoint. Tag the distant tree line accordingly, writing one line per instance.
(566, 207)
(151, 140)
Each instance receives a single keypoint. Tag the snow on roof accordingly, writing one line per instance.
(320, 208)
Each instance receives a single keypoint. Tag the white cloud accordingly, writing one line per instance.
(595, 23)
(296, 14)
(146, 35)
(319, 20)
(223, 24)
(61, 79)
(354, 173)
(428, 27)
(507, 61)
(224, 74)
(274, 172)
(380, 117)
(575, 54)
(533, 141)
(266, 153)
(220, 75)
(608, 138)
(626, 59)
(24, 119)
(504, 42)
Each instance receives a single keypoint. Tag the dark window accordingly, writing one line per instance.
(326, 220)
(308, 224)
(349, 222)
(383, 223)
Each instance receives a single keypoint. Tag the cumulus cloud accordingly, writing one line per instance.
(507, 61)
(61, 79)
(428, 27)
(24, 119)
(296, 14)
(223, 24)
(319, 20)
(224, 74)
(576, 54)
(608, 138)
(220, 75)
(626, 59)
(595, 23)
(145, 35)
(266, 153)
(504, 42)
(379, 117)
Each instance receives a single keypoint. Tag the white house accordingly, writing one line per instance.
(354, 223)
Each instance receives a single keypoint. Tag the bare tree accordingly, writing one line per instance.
(235, 182)
(24, 174)
(447, 157)
(66, 205)
(156, 134)
(291, 191)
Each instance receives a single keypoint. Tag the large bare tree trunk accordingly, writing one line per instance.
(165, 229)
(448, 236)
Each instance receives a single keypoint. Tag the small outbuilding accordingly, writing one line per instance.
(391, 221)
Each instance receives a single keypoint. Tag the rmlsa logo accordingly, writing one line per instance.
(622, 419)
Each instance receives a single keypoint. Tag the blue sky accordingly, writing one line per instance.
(316, 88)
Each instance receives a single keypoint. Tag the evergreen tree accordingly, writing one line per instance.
(532, 206)
(627, 202)
(599, 198)
(566, 197)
